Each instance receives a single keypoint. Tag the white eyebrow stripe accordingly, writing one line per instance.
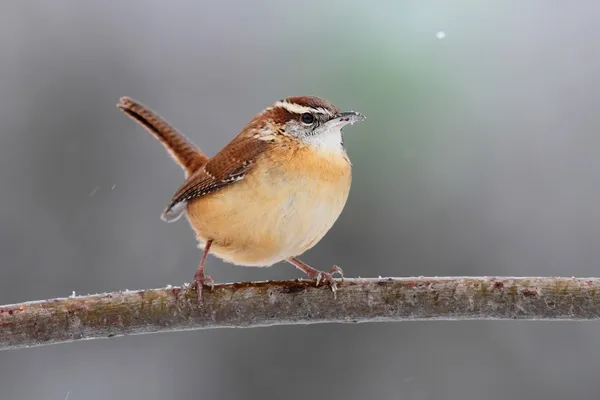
(299, 109)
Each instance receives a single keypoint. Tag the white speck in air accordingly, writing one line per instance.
(440, 35)
(93, 192)
(113, 187)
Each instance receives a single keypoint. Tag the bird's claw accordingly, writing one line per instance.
(200, 281)
(327, 277)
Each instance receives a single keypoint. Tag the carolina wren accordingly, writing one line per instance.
(270, 194)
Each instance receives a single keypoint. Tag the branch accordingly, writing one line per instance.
(297, 302)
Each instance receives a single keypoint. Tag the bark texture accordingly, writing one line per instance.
(298, 302)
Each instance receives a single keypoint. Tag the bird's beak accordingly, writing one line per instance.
(345, 118)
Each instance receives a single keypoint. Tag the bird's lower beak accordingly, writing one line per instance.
(345, 118)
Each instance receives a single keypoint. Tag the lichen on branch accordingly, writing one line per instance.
(256, 304)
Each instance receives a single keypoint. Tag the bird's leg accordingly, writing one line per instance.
(315, 274)
(200, 279)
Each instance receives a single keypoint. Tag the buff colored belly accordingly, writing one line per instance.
(271, 215)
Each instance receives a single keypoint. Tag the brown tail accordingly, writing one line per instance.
(187, 155)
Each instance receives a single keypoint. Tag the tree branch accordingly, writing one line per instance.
(297, 302)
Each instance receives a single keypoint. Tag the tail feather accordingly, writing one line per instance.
(185, 153)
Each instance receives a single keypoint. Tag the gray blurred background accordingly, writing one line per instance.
(479, 157)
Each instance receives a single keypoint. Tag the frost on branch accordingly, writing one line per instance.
(297, 302)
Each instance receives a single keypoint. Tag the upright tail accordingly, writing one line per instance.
(187, 155)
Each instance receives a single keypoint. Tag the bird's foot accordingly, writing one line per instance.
(200, 281)
(316, 275)
(325, 277)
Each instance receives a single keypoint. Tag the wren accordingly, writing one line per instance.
(269, 195)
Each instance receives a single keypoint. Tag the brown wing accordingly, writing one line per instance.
(228, 166)
(187, 155)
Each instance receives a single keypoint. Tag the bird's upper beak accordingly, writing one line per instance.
(349, 117)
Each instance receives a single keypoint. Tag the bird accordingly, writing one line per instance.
(270, 194)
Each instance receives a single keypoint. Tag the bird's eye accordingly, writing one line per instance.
(307, 118)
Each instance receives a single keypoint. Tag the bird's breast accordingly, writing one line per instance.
(305, 201)
(282, 208)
